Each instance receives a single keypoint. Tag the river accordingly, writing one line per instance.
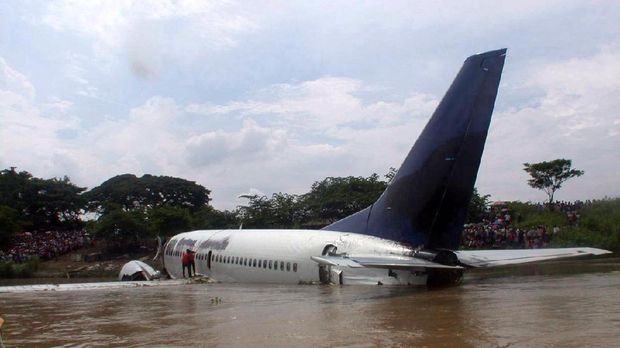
(556, 304)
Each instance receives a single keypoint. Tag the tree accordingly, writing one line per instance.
(8, 225)
(41, 203)
(282, 210)
(128, 192)
(478, 207)
(209, 218)
(335, 198)
(169, 220)
(549, 176)
(122, 230)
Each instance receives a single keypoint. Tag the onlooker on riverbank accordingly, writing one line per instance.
(45, 245)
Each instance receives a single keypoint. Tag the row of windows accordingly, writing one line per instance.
(244, 261)
(249, 262)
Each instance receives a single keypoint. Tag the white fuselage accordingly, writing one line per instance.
(284, 256)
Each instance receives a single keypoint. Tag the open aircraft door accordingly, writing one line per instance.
(329, 274)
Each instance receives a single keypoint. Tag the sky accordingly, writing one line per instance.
(271, 96)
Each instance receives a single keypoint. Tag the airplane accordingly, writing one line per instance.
(409, 236)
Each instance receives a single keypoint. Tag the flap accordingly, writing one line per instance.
(391, 262)
(491, 258)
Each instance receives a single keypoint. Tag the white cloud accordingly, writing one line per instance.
(577, 118)
(251, 142)
(14, 82)
(28, 139)
(325, 104)
(357, 94)
(148, 33)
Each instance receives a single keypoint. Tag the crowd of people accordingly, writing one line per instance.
(45, 245)
(497, 230)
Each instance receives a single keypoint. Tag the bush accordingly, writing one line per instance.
(531, 216)
(19, 270)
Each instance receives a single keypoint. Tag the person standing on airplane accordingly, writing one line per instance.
(187, 260)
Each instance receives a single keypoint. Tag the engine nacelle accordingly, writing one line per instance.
(437, 277)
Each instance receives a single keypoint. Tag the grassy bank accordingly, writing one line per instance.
(72, 266)
(19, 270)
(598, 226)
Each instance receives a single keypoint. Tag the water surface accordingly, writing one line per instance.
(568, 303)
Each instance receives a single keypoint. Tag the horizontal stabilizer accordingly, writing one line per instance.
(492, 258)
(391, 262)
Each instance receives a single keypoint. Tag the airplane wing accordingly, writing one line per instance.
(492, 258)
(391, 262)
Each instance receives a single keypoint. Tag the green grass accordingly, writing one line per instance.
(598, 227)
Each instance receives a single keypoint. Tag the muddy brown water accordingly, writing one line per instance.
(559, 304)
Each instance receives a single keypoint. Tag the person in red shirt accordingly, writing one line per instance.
(187, 260)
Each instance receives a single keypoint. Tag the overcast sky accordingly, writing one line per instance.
(272, 96)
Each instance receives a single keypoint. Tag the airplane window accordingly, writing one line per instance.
(245, 261)
(264, 263)
(275, 265)
(237, 260)
(269, 264)
(228, 259)
(254, 263)
(281, 265)
(288, 266)
(295, 267)
(260, 264)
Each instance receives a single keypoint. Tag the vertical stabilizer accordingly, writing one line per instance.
(426, 202)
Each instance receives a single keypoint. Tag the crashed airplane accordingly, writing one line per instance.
(409, 236)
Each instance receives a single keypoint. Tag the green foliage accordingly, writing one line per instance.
(41, 203)
(128, 192)
(527, 215)
(334, 198)
(584, 237)
(478, 207)
(19, 270)
(122, 230)
(549, 176)
(599, 226)
(280, 211)
(9, 224)
(208, 217)
(390, 174)
(168, 220)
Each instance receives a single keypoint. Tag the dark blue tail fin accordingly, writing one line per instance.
(426, 202)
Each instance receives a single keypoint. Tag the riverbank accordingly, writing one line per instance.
(89, 263)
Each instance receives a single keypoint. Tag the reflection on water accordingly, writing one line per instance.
(572, 303)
